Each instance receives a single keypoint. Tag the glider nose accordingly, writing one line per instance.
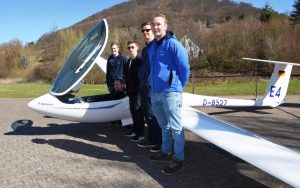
(42, 103)
(33, 104)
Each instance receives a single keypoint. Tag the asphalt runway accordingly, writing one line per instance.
(58, 153)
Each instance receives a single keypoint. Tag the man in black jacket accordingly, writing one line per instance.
(132, 90)
(115, 66)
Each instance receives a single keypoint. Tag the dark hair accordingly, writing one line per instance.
(145, 23)
(132, 42)
(120, 79)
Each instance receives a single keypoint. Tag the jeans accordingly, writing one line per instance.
(154, 131)
(167, 109)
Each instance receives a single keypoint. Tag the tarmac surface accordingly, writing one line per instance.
(58, 153)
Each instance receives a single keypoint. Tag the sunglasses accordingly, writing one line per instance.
(143, 30)
(130, 47)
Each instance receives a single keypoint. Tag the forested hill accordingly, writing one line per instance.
(179, 12)
(221, 32)
(185, 17)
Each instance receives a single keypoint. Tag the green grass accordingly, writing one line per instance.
(32, 90)
(244, 88)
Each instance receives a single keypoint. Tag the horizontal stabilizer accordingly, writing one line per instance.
(273, 158)
(271, 61)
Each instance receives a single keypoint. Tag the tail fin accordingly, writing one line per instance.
(278, 84)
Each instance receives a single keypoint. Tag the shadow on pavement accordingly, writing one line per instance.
(205, 164)
(291, 105)
(257, 110)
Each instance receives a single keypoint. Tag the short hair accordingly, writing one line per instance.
(162, 16)
(120, 80)
(114, 43)
(132, 42)
(145, 23)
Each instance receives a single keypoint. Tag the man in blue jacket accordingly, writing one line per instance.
(169, 74)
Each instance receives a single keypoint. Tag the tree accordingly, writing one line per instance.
(10, 58)
(228, 18)
(25, 63)
(267, 14)
(295, 15)
(242, 17)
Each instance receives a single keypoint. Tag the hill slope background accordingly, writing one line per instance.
(224, 31)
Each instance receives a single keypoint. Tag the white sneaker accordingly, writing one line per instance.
(130, 134)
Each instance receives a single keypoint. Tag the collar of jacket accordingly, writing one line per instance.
(168, 34)
(135, 58)
(147, 44)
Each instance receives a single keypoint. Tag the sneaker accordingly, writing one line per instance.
(160, 157)
(130, 134)
(173, 166)
(129, 127)
(137, 138)
(117, 123)
(155, 149)
(145, 144)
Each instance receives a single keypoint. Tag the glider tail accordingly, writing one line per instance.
(278, 84)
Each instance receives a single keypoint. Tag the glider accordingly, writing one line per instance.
(273, 158)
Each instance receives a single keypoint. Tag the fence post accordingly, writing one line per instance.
(256, 80)
(193, 83)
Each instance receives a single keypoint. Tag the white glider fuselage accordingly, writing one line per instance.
(94, 112)
(113, 110)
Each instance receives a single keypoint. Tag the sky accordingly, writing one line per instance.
(281, 6)
(28, 20)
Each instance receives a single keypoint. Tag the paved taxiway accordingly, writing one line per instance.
(58, 153)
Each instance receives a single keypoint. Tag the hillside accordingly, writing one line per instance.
(184, 17)
(223, 30)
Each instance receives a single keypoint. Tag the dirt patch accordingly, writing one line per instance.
(11, 80)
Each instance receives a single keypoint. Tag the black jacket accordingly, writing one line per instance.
(115, 69)
(131, 76)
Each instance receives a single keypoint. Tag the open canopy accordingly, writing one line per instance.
(81, 59)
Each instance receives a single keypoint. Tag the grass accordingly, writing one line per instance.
(32, 90)
(244, 88)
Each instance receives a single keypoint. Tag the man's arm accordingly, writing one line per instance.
(182, 62)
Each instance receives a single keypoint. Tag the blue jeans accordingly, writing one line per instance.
(167, 109)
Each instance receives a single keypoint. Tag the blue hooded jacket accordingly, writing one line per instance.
(169, 64)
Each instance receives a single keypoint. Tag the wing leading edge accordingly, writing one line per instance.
(273, 158)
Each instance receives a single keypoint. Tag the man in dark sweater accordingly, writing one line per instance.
(115, 66)
(154, 131)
